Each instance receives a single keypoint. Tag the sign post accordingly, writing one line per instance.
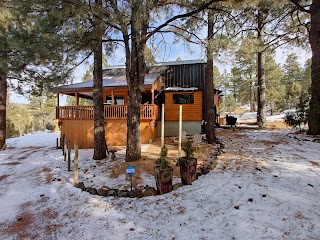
(130, 171)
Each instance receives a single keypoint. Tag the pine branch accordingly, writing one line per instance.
(112, 40)
(300, 7)
(188, 14)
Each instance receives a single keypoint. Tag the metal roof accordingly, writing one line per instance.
(184, 74)
(108, 81)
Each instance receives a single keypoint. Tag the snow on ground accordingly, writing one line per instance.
(265, 186)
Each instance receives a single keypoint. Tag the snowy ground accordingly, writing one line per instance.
(265, 186)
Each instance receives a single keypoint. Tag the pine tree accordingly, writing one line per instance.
(132, 20)
(275, 90)
(33, 47)
(292, 80)
(274, 25)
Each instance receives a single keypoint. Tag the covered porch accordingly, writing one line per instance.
(77, 121)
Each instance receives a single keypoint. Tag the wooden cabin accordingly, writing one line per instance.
(172, 83)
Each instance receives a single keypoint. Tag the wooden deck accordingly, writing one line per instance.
(111, 112)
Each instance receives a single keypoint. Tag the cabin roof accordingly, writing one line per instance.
(108, 81)
(175, 74)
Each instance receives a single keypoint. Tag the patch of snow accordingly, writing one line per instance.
(181, 89)
(266, 186)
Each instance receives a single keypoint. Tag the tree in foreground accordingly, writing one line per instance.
(274, 24)
(313, 8)
(32, 49)
(136, 22)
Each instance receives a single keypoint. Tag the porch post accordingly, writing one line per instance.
(112, 98)
(77, 104)
(152, 96)
(56, 121)
(58, 100)
(77, 98)
(58, 104)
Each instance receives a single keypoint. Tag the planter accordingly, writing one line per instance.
(188, 170)
(163, 179)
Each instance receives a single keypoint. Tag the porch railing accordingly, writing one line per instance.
(111, 112)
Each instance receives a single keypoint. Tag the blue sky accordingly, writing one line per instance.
(170, 51)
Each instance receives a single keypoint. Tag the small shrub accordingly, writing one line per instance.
(295, 119)
(49, 126)
(162, 160)
(11, 130)
(188, 149)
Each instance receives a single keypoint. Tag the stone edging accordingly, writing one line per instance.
(147, 190)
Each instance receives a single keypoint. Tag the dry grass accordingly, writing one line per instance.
(20, 227)
(3, 177)
(146, 164)
(270, 143)
(10, 163)
(277, 124)
(47, 174)
(314, 163)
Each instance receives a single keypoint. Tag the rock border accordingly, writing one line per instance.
(148, 191)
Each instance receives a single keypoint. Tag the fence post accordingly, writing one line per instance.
(69, 155)
(63, 141)
(75, 170)
(65, 151)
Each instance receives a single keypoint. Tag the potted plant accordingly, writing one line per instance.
(163, 172)
(188, 165)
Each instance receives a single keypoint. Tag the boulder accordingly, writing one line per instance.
(112, 192)
(123, 193)
(205, 171)
(176, 186)
(81, 186)
(149, 191)
(136, 193)
(92, 190)
(102, 192)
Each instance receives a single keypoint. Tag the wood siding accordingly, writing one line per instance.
(189, 111)
(80, 132)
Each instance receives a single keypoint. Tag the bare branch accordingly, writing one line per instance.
(299, 6)
(188, 14)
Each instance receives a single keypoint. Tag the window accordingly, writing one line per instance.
(185, 98)
(118, 100)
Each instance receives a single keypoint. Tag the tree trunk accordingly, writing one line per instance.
(252, 97)
(3, 108)
(314, 38)
(136, 80)
(261, 116)
(99, 131)
(210, 114)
